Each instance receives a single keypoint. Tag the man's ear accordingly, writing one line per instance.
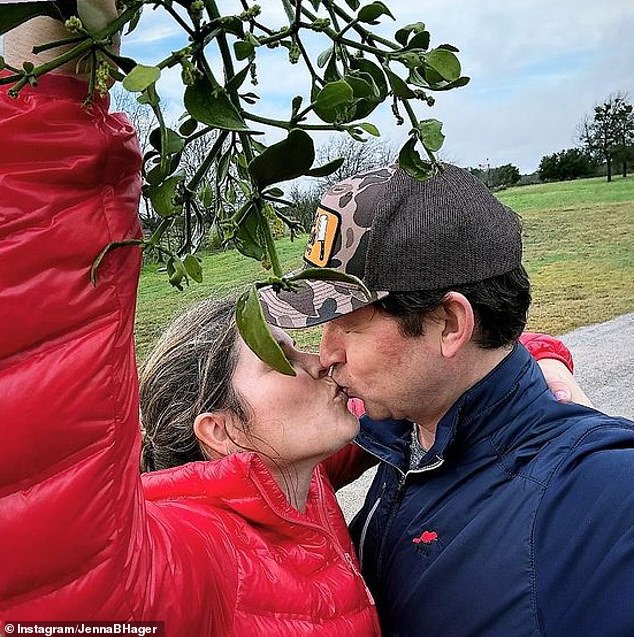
(211, 429)
(458, 320)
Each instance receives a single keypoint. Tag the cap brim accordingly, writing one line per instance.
(313, 302)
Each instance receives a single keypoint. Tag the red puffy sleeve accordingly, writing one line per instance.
(544, 346)
(70, 491)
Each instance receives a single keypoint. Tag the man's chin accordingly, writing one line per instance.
(376, 412)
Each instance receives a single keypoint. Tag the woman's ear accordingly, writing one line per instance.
(211, 430)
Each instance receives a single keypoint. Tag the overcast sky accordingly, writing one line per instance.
(536, 69)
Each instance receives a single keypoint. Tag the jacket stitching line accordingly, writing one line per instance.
(501, 461)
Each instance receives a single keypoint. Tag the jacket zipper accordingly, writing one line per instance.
(366, 524)
(356, 571)
(400, 492)
(375, 506)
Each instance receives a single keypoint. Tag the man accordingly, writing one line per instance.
(496, 510)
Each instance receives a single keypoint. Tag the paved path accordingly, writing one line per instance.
(604, 366)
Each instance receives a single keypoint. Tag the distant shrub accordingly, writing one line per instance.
(566, 165)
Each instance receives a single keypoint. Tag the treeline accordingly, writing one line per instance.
(606, 141)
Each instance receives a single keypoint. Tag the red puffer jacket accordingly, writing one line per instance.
(211, 548)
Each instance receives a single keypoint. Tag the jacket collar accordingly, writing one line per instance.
(479, 412)
(241, 483)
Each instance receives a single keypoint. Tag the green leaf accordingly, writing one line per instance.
(250, 98)
(398, 85)
(449, 47)
(211, 105)
(363, 86)
(275, 192)
(412, 163)
(188, 127)
(174, 142)
(243, 49)
(232, 24)
(149, 97)
(353, 4)
(366, 94)
(206, 196)
(176, 272)
(371, 12)
(431, 134)
(125, 64)
(193, 267)
(248, 238)
(134, 22)
(287, 159)
(324, 57)
(370, 129)
(223, 166)
(155, 175)
(330, 102)
(166, 198)
(461, 81)
(326, 169)
(445, 63)
(402, 35)
(257, 335)
(332, 74)
(328, 274)
(140, 77)
(334, 94)
(366, 66)
(419, 41)
(296, 104)
(238, 79)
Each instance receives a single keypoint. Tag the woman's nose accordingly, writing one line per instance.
(313, 366)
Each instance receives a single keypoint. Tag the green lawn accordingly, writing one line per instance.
(579, 250)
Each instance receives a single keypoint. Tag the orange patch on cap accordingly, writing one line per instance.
(322, 237)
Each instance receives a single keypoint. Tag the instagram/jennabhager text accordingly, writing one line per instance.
(139, 629)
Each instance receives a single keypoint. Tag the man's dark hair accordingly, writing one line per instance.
(500, 305)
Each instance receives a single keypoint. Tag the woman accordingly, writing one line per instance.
(235, 543)
(265, 504)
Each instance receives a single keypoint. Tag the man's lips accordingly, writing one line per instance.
(339, 390)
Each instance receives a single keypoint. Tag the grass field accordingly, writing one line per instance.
(579, 251)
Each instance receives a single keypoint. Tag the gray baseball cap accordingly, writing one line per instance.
(398, 234)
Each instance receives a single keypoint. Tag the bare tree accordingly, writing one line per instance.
(609, 132)
(143, 121)
(357, 157)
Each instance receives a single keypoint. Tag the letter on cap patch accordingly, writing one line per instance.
(322, 237)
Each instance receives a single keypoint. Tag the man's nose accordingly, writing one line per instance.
(331, 351)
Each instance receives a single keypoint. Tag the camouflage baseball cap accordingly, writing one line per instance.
(398, 234)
